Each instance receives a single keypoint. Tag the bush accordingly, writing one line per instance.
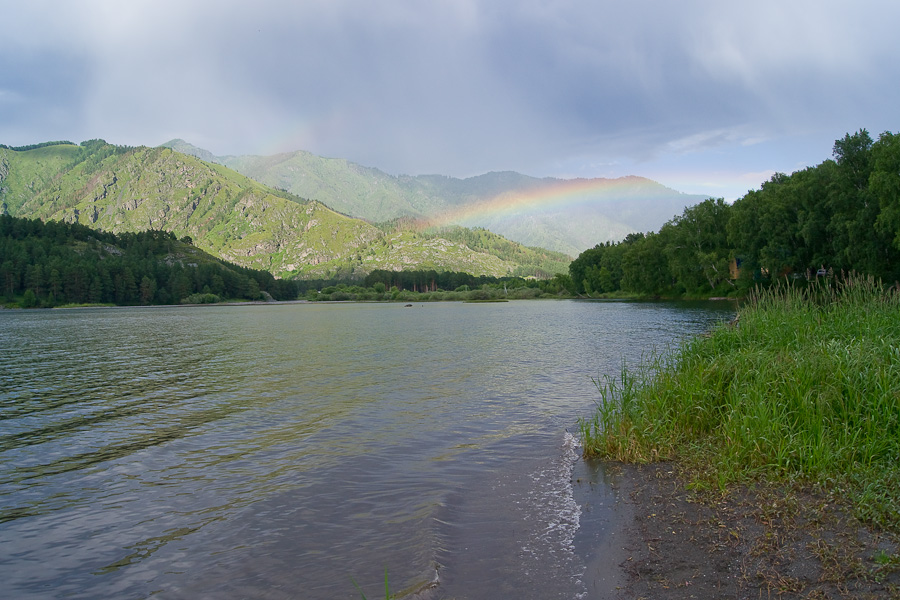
(29, 300)
(201, 299)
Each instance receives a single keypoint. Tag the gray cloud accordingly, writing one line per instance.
(459, 87)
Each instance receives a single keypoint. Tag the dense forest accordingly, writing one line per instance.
(49, 264)
(53, 264)
(432, 281)
(431, 286)
(840, 216)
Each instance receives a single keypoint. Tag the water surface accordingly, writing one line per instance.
(282, 451)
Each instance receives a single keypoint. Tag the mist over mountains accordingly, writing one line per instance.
(567, 216)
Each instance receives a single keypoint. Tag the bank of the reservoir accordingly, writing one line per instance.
(765, 457)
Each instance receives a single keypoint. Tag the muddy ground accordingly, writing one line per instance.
(671, 542)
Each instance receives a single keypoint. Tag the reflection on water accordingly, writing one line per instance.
(278, 451)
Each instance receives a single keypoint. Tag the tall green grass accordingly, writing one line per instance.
(805, 385)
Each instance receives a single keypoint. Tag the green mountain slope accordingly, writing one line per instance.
(550, 216)
(231, 216)
(530, 261)
(21, 179)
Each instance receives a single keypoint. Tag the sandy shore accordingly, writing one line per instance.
(658, 540)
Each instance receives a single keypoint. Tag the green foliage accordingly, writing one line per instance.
(402, 248)
(698, 247)
(645, 265)
(29, 299)
(351, 189)
(422, 281)
(600, 270)
(806, 385)
(387, 588)
(842, 215)
(121, 189)
(535, 262)
(53, 264)
(203, 298)
(435, 286)
(36, 146)
(884, 184)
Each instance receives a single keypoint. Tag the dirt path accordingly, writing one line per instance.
(673, 543)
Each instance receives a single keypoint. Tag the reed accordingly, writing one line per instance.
(387, 589)
(805, 386)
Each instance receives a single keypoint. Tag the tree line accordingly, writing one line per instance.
(53, 263)
(842, 215)
(36, 146)
(431, 285)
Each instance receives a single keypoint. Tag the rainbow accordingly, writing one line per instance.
(548, 195)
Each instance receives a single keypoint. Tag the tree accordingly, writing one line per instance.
(853, 210)
(852, 153)
(55, 284)
(645, 267)
(885, 185)
(814, 237)
(698, 247)
(95, 290)
(580, 268)
(29, 300)
(126, 286)
(252, 289)
(763, 228)
(148, 289)
(34, 279)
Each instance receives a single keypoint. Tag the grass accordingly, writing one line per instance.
(387, 589)
(804, 387)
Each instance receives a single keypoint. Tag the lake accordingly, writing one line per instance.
(298, 450)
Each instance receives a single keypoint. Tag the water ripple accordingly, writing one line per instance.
(234, 451)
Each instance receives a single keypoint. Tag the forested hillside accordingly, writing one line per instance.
(567, 216)
(538, 262)
(120, 189)
(842, 215)
(52, 264)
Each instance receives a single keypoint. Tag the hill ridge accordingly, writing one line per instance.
(121, 189)
(614, 207)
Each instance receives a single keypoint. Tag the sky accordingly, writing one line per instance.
(706, 97)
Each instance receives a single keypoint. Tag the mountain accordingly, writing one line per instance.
(229, 215)
(568, 216)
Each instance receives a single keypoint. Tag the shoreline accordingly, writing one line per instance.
(670, 542)
(776, 444)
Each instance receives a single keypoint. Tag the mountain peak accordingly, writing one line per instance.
(585, 211)
(179, 145)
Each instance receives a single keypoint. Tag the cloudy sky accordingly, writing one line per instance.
(706, 97)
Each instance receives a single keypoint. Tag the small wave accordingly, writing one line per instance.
(552, 544)
(424, 588)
